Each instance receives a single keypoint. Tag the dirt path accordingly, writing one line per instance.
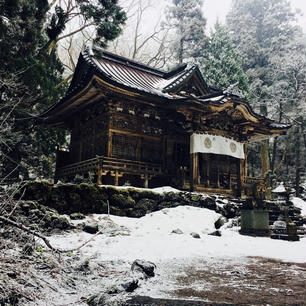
(257, 281)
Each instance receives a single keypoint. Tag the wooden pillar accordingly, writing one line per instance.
(243, 168)
(100, 172)
(146, 181)
(238, 164)
(116, 178)
(194, 170)
(109, 143)
(208, 168)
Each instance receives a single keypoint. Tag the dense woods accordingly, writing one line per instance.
(260, 47)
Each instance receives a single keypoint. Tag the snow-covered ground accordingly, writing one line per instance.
(181, 260)
(151, 238)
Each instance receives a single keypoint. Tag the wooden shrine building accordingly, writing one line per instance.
(132, 123)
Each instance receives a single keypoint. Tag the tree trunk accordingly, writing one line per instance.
(297, 162)
(265, 156)
(274, 154)
(180, 51)
(275, 143)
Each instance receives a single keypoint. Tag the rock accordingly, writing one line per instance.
(122, 201)
(143, 266)
(177, 231)
(195, 235)
(231, 210)
(62, 223)
(146, 204)
(167, 204)
(97, 299)
(135, 213)
(215, 233)
(208, 203)
(77, 216)
(91, 228)
(28, 249)
(221, 221)
(129, 285)
(84, 266)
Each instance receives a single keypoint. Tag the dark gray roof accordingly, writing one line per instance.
(131, 74)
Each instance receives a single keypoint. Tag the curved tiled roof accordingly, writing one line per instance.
(137, 76)
(133, 76)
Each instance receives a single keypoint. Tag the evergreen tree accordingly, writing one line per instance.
(220, 62)
(273, 55)
(30, 72)
(185, 16)
(28, 80)
(260, 28)
(105, 16)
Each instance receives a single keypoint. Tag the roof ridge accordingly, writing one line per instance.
(125, 61)
(187, 73)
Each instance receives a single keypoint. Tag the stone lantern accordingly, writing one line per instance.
(284, 228)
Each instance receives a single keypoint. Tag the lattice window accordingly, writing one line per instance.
(151, 151)
(124, 146)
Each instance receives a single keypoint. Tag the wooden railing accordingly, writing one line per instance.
(253, 180)
(108, 164)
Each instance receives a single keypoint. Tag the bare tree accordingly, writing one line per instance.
(144, 38)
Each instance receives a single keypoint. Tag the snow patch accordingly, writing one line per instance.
(298, 202)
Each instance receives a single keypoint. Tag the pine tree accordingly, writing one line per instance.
(185, 16)
(220, 61)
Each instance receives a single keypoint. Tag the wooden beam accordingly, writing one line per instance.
(134, 134)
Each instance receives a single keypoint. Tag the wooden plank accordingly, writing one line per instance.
(134, 134)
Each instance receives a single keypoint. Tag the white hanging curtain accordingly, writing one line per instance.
(206, 143)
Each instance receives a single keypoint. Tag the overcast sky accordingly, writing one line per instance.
(214, 9)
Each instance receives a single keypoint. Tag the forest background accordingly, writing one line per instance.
(259, 45)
